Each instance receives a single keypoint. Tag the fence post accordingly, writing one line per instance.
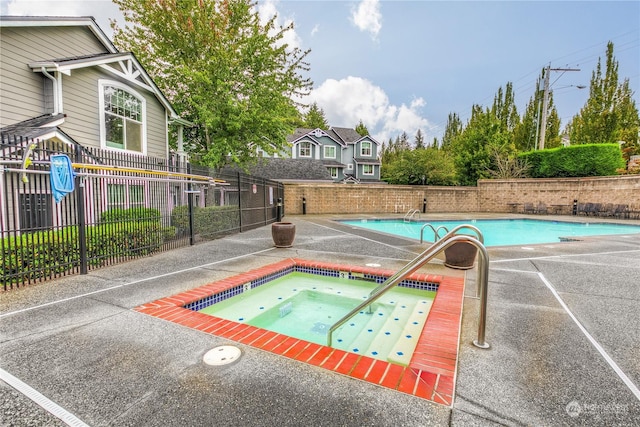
(239, 202)
(81, 214)
(190, 207)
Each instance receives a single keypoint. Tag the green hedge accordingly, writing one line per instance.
(209, 221)
(42, 254)
(575, 161)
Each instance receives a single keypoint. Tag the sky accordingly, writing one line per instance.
(400, 66)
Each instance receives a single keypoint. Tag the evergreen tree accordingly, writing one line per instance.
(419, 138)
(362, 129)
(403, 142)
(223, 70)
(315, 118)
(452, 130)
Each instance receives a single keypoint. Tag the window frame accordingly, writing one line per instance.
(127, 194)
(307, 145)
(362, 149)
(324, 151)
(367, 166)
(103, 84)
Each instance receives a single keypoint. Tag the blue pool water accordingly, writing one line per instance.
(500, 232)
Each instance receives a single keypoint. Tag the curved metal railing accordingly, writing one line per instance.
(426, 256)
(436, 231)
(410, 214)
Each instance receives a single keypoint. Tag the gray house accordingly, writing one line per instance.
(63, 82)
(64, 76)
(348, 156)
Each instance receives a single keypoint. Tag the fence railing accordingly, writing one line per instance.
(122, 206)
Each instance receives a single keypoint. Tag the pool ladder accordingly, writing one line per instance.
(409, 215)
(427, 255)
(436, 232)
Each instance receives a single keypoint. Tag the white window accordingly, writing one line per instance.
(333, 172)
(350, 166)
(122, 120)
(367, 169)
(305, 149)
(365, 148)
(125, 196)
(329, 152)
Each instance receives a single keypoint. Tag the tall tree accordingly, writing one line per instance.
(232, 76)
(452, 130)
(419, 138)
(527, 131)
(362, 129)
(504, 109)
(610, 112)
(315, 118)
(403, 141)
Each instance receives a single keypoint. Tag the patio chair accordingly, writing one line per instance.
(529, 208)
(588, 209)
(621, 211)
(541, 209)
(608, 210)
(595, 209)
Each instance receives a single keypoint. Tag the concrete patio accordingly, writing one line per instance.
(563, 324)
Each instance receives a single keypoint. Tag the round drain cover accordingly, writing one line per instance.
(222, 355)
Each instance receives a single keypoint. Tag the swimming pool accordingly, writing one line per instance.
(500, 232)
(429, 374)
(305, 306)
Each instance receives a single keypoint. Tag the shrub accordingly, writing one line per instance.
(575, 161)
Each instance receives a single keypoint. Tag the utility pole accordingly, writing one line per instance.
(545, 101)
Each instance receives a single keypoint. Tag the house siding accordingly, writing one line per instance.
(23, 97)
(81, 104)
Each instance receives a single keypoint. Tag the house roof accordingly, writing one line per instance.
(347, 135)
(126, 67)
(333, 164)
(126, 64)
(37, 127)
(60, 21)
(285, 169)
(365, 161)
(342, 136)
(299, 132)
(313, 135)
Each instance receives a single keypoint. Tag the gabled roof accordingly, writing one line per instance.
(313, 135)
(59, 21)
(347, 135)
(125, 65)
(122, 64)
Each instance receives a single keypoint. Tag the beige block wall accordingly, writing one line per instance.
(488, 196)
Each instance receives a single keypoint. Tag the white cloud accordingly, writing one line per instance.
(43, 8)
(315, 30)
(267, 10)
(367, 17)
(347, 101)
(101, 10)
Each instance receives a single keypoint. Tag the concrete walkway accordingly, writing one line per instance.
(563, 324)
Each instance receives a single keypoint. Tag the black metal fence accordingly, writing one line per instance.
(122, 206)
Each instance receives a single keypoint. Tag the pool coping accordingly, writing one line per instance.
(431, 371)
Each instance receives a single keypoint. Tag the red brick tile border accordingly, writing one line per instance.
(431, 371)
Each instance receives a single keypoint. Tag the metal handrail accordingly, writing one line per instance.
(419, 261)
(410, 214)
(436, 231)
